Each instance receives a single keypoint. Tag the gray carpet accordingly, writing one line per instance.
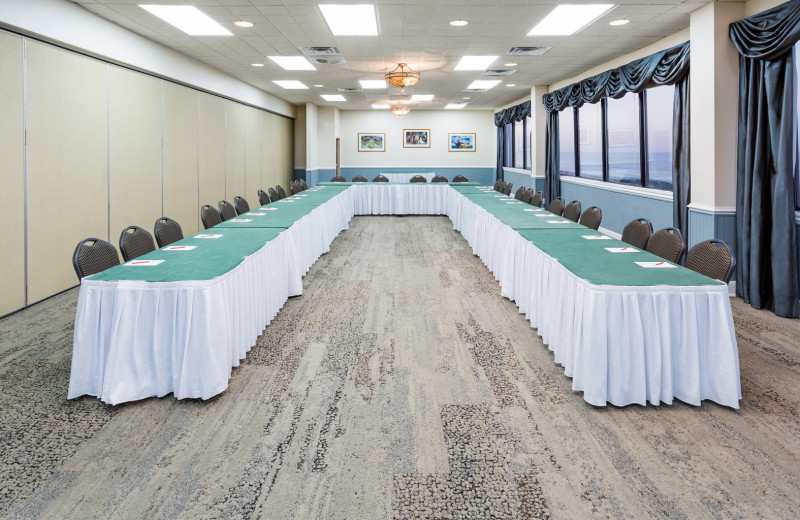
(400, 385)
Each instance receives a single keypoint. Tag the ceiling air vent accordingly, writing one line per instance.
(527, 51)
(468, 90)
(498, 72)
(349, 90)
(320, 51)
(328, 60)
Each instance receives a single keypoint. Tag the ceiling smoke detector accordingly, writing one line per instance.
(329, 60)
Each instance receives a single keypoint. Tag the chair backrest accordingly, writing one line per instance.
(501, 185)
(359, 178)
(439, 178)
(418, 178)
(167, 231)
(557, 206)
(518, 194)
(507, 189)
(713, 258)
(93, 255)
(537, 199)
(281, 191)
(263, 198)
(338, 178)
(226, 210)
(209, 216)
(573, 211)
(667, 243)
(637, 232)
(460, 178)
(381, 178)
(303, 184)
(273, 194)
(496, 185)
(241, 205)
(526, 196)
(135, 242)
(591, 218)
(294, 187)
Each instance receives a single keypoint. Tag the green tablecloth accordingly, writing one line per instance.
(519, 215)
(454, 184)
(282, 213)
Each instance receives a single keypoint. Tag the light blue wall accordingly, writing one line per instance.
(704, 225)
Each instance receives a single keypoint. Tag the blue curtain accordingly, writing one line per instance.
(502, 118)
(667, 67)
(767, 270)
(552, 186)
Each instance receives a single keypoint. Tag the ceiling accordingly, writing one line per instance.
(413, 31)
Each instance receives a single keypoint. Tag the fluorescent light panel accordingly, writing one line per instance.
(421, 97)
(292, 62)
(483, 83)
(475, 62)
(188, 19)
(333, 97)
(455, 106)
(372, 83)
(379, 106)
(567, 19)
(350, 20)
(290, 84)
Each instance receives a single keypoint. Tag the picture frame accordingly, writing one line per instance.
(417, 138)
(462, 142)
(371, 142)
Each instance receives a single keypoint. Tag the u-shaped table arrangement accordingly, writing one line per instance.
(627, 326)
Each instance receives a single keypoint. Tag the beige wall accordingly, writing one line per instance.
(108, 147)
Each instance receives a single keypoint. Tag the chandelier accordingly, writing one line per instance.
(402, 76)
(400, 109)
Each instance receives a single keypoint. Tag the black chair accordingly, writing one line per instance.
(380, 178)
(572, 211)
(439, 178)
(273, 195)
(209, 216)
(501, 185)
(460, 178)
(713, 258)
(359, 178)
(135, 242)
(497, 184)
(295, 187)
(226, 210)
(507, 189)
(637, 232)
(338, 178)
(93, 255)
(667, 243)
(418, 178)
(303, 184)
(240, 205)
(281, 191)
(537, 199)
(527, 195)
(520, 191)
(263, 198)
(167, 231)
(557, 206)
(591, 218)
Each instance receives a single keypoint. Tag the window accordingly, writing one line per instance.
(566, 141)
(659, 136)
(624, 156)
(529, 143)
(517, 144)
(508, 146)
(590, 141)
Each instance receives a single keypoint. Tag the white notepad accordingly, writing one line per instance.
(240, 220)
(558, 221)
(143, 263)
(596, 237)
(268, 209)
(256, 214)
(533, 209)
(622, 250)
(207, 236)
(514, 202)
(655, 265)
(179, 248)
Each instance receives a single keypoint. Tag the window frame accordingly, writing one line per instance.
(509, 145)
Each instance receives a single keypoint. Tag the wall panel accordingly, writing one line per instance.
(268, 150)
(252, 161)
(12, 180)
(67, 160)
(134, 150)
(180, 156)
(235, 115)
(212, 151)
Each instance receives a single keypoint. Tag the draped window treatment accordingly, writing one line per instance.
(667, 67)
(502, 118)
(767, 268)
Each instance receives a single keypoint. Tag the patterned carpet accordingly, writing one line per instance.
(400, 385)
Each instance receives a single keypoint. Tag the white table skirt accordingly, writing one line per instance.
(399, 199)
(406, 177)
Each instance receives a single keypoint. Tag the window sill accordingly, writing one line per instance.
(522, 172)
(650, 193)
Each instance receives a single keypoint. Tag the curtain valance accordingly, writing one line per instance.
(665, 67)
(770, 34)
(515, 113)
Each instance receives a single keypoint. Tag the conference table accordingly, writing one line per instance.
(627, 326)
(406, 176)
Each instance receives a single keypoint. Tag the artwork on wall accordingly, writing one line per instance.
(461, 143)
(371, 142)
(417, 138)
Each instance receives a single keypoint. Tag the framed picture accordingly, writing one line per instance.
(417, 138)
(371, 142)
(461, 142)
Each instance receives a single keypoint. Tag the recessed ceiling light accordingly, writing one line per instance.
(350, 20)
(459, 23)
(319, 86)
(454, 106)
(484, 83)
(475, 62)
(619, 22)
(292, 62)
(510, 64)
(290, 84)
(256, 64)
(372, 83)
(333, 97)
(511, 84)
(421, 97)
(567, 19)
(188, 19)
(379, 106)
(243, 23)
